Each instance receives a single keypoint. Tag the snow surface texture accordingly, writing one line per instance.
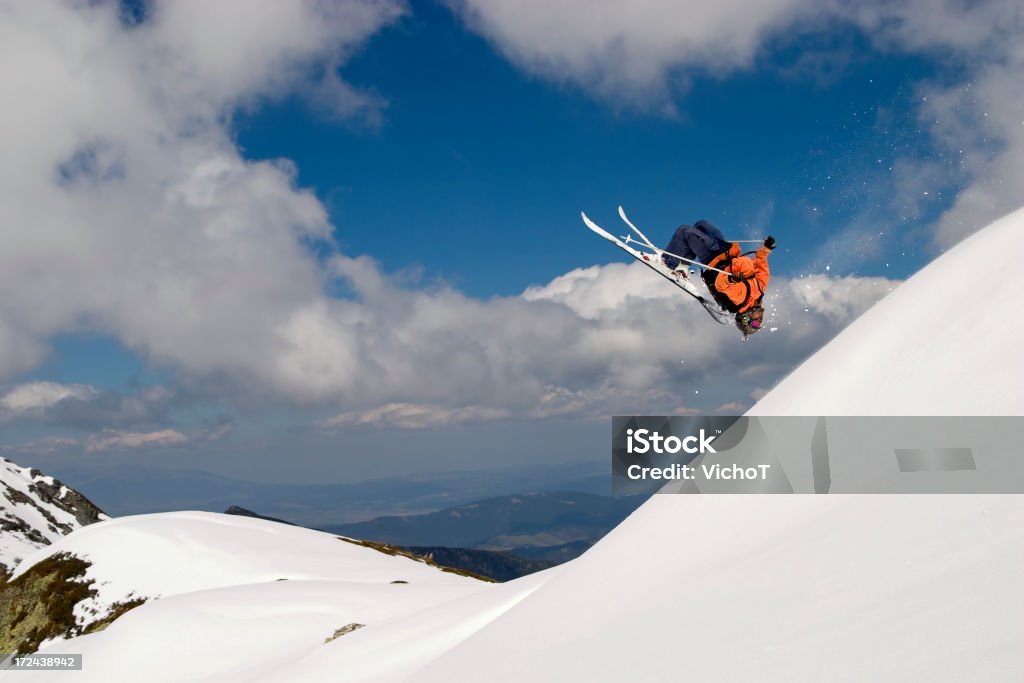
(196, 553)
(949, 341)
(35, 510)
(709, 588)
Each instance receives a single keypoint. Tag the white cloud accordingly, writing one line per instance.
(83, 407)
(983, 125)
(838, 299)
(602, 340)
(640, 55)
(628, 50)
(977, 120)
(129, 210)
(36, 397)
(116, 440)
(413, 416)
(46, 445)
(120, 439)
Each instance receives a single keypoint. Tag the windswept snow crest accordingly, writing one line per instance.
(946, 342)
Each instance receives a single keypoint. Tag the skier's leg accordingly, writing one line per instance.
(715, 239)
(679, 245)
(708, 228)
(703, 245)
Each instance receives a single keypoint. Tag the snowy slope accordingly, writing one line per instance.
(249, 632)
(238, 596)
(36, 510)
(950, 341)
(244, 599)
(180, 552)
(805, 588)
(710, 588)
(724, 588)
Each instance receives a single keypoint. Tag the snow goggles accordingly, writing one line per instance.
(750, 321)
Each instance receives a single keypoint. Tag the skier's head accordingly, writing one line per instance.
(749, 321)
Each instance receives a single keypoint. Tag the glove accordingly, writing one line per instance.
(769, 242)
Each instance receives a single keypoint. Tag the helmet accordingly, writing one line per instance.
(749, 321)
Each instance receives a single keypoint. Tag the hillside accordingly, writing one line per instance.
(839, 588)
(487, 563)
(811, 588)
(35, 511)
(228, 567)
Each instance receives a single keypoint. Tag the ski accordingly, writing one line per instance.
(652, 259)
(622, 215)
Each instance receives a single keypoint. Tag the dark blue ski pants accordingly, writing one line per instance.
(701, 241)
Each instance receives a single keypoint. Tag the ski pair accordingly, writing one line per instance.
(650, 256)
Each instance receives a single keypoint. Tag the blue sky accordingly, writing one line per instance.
(472, 157)
(235, 231)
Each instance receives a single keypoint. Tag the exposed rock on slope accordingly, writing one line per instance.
(35, 511)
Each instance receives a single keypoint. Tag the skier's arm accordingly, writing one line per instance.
(761, 272)
(736, 291)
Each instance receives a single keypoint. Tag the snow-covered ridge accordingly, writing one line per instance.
(948, 341)
(35, 511)
(233, 593)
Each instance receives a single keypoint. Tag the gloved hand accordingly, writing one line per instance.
(769, 242)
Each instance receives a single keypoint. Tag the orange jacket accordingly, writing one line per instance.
(755, 271)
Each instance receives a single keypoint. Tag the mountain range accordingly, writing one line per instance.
(524, 523)
(147, 488)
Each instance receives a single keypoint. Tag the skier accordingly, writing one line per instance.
(737, 282)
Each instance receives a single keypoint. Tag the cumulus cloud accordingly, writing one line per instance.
(601, 340)
(33, 398)
(628, 50)
(982, 125)
(106, 440)
(129, 210)
(115, 440)
(837, 299)
(976, 121)
(84, 407)
(412, 416)
(640, 54)
(45, 445)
